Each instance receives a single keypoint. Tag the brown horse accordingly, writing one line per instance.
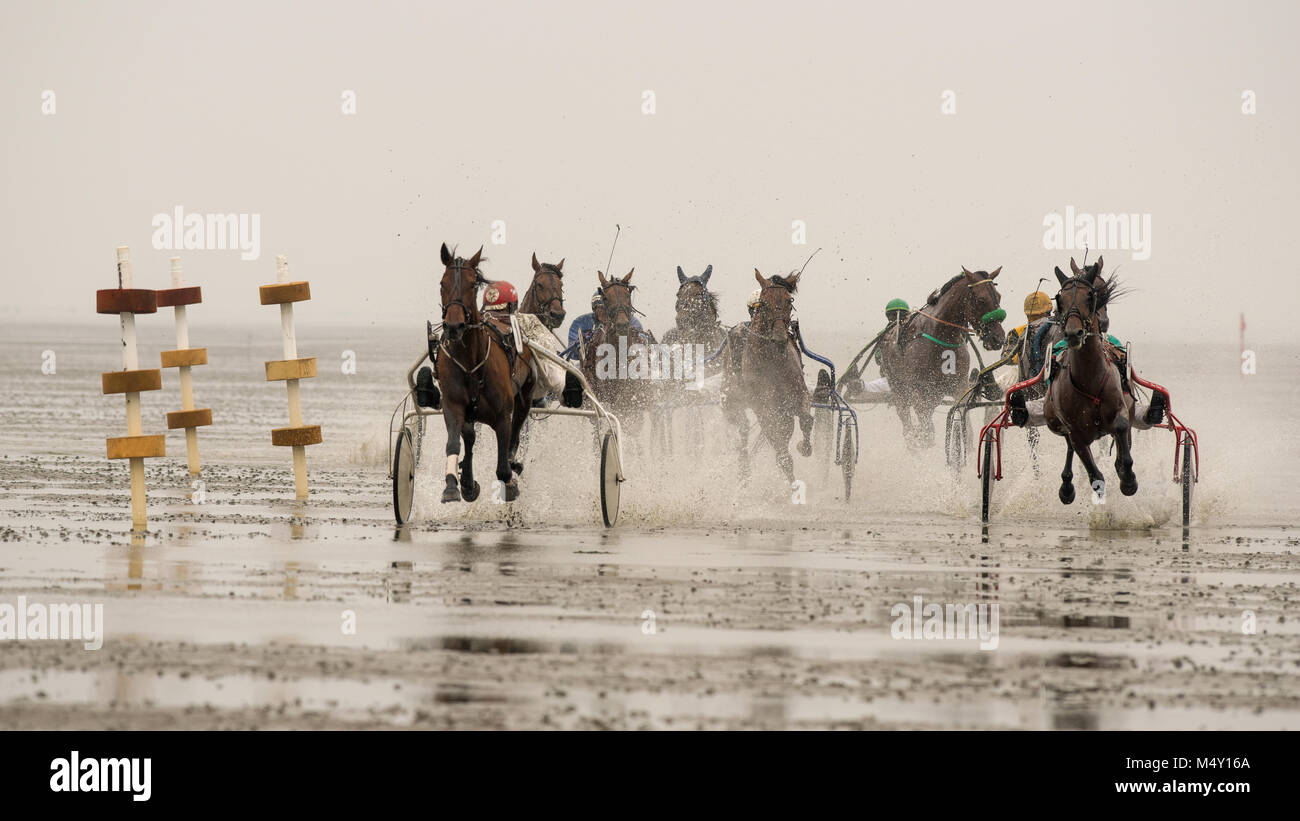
(612, 357)
(1085, 400)
(762, 372)
(481, 377)
(545, 296)
(928, 359)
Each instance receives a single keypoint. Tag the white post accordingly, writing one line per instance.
(187, 380)
(295, 397)
(134, 422)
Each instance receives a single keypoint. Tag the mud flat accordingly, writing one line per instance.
(235, 614)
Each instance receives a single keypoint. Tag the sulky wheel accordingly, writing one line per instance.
(848, 459)
(403, 476)
(987, 480)
(1188, 480)
(609, 481)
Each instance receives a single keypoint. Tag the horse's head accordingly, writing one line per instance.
(617, 297)
(984, 311)
(695, 302)
(545, 296)
(1082, 300)
(460, 282)
(775, 304)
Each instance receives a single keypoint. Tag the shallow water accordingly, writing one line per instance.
(765, 613)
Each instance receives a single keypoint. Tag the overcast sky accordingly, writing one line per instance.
(532, 114)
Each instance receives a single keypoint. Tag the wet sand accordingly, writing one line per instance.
(230, 615)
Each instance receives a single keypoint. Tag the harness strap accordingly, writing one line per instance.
(940, 341)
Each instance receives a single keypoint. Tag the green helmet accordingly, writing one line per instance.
(895, 305)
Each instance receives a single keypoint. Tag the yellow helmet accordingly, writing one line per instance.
(1037, 304)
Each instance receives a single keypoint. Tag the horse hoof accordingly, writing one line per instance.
(805, 448)
(451, 493)
(1128, 486)
(518, 468)
(1067, 494)
(512, 491)
(470, 491)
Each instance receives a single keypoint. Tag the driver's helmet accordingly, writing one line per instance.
(895, 309)
(597, 299)
(1037, 305)
(500, 296)
(754, 298)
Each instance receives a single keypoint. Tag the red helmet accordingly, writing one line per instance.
(500, 296)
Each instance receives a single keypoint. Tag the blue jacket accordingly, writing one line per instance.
(586, 323)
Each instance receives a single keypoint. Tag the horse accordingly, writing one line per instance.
(616, 358)
(1085, 400)
(545, 295)
(927, 360)
(762, 372)
(697, 320)
(481, 378)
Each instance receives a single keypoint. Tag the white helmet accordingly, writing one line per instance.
(754, 298)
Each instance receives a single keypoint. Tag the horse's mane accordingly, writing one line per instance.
(546, 266)
(790, 285)
(943, 289)
(1109, 289)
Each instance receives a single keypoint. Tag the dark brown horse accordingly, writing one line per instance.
(1085, 400)
(762, 372)
(545, 296)
(928, 359)
(613, 357)
(481, 377)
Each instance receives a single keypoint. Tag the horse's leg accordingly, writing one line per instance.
(454, 418)
(520, 419)
(1128, 480)
(468, 487)
(504, 428)
(1094, 473)
(733, 413)
(805, 427)
(778, 426)
(1066, 493)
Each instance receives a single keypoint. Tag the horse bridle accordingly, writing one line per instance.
(631, 309)
(547, 268)
(763, 306)
(965, 327)
(458, 265)
(1064, 317)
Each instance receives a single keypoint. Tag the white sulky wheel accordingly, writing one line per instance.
(403, 476)
(1188, 480)
(609, 481)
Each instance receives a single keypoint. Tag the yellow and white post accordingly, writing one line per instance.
(126, 302)
(291, 369)
(184, 358)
